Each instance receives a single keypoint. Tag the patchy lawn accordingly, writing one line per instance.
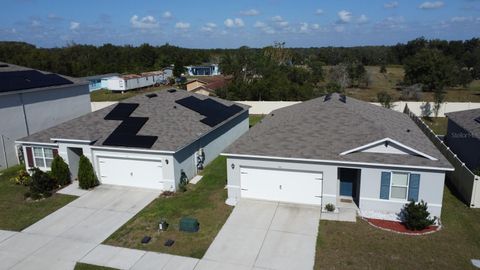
(107, 95)
(15, 213)
(85, 266)
(255, 118)
(343, 245)
(437, 124)
(204, 201)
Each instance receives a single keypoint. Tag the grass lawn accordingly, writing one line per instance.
(204, 201)
(15, 213)
(107, 95)
(85, 266)
(437, 124)
(343, 245)
(254, 119)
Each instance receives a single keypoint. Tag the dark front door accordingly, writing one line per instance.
(348, 182)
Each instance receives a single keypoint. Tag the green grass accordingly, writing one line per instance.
(254, 119)
(107, 95)
(343, 245)
(85, 266)
(204, 201)
(15, 212)
(437, 124)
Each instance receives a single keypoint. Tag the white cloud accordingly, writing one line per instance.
(35, 23)
(182, 25)
(167, 15)
(74, 25)
(315, 26)
(362, 19)
(259, 24)
(344, 16)
(264, 27)
(461, 19)
(250, 12)
(339, 28)
(283, 24)
(277, 18)
(319, 11)
(431, 5)
(147, 22)
(304, 27)
(208, 27)
(393, 4)
(237, 22)
(390, 23)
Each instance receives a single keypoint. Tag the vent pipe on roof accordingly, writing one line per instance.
(343, 98)
(327, 97)
(172, 90)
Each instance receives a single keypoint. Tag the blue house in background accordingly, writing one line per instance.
(204, 70)
(96, 82)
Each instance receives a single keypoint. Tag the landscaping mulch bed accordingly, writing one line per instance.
(399, 227)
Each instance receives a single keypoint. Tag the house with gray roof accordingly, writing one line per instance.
(147, 141)
(463, 136)
(33, 100)
(341, 151)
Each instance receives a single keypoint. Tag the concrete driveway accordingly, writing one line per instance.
(265, 235)
(67, 235)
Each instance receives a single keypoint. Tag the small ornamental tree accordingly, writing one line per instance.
(416, 216)
(60, 171)
(86, 176)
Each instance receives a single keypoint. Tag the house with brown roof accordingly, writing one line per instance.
(208, 85)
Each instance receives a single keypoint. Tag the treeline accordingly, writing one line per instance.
(83, 60)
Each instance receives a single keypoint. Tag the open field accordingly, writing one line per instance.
(343, 245)
(15, 213)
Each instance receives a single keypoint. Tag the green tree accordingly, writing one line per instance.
(60, 171)
(86, 175)
(383, 69)
(385, 99)
(438, 99)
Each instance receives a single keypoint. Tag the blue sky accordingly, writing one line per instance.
(233, 23)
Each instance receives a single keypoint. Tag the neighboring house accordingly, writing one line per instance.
(133, 81)
(463, 136)
(33, 100)
(204, 70)
(337, 150)
(206, 86)
(95, 82)
(148, 141)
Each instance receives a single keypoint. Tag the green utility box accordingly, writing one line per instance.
(189, 224)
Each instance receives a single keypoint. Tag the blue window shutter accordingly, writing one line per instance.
(385, 186)
(414, 187)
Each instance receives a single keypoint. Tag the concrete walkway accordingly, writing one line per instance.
(265, 235)
(64, 237)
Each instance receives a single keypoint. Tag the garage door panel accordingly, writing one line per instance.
(282, 185)
(131, 172)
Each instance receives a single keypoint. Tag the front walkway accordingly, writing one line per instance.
(62, 238)
(270, 235)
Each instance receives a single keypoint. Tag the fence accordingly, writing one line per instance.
(463, 180)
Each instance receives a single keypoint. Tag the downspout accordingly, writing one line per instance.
(24, 114)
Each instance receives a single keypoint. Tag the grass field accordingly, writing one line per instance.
(343, 245)
(107, 95)
(84, 266)
(254, 119)
(15, 213)
(394, 75)
(437, 124)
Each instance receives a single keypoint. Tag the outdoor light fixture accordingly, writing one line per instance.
(166, 161)
(233, 166)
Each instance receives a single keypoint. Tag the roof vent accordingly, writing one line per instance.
(327, 97)
(151, 95)
(477, 119)
(172, 90)
(3, 65)
(343, 98)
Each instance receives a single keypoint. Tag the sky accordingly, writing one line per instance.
(235, 23)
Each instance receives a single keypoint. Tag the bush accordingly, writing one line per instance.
(330, 207)
(416, 216)
(22, 178)
(60, 171)
(86, 176)
(182, 186)
(42, 184)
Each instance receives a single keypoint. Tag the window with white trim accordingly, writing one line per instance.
(399, 186)
(43, 157)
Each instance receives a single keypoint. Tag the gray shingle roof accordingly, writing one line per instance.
(175, 127)
(466, 119)
(318, 129)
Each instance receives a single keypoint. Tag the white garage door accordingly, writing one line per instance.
(282, 185)
(131, 172)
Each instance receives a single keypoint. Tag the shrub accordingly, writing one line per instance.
(22, 178)
(416, 216)
(330, 207)
(385, 99)
(182, 186)
(60, 171)
(86, 176)
(42, 184)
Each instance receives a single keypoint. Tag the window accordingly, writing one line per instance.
(399, 186)
(43, 157)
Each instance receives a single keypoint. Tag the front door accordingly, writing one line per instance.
(348, 182)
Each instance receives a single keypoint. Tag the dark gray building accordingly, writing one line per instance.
(33, 100)
(463, 136)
